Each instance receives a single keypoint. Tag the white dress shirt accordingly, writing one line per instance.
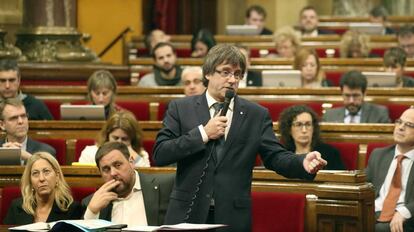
(348, 117)
(129, 210)
(229, 115)
(407, 163)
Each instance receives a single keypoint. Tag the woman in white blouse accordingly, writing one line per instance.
(123, 127)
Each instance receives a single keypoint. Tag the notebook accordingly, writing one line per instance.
(381, 79)
(281, 78)
(10, 156)
(242, 30)
(367, 28)
(82, 112)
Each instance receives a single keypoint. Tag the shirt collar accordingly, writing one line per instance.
(357, 114)
(409, 155)
(211, 101)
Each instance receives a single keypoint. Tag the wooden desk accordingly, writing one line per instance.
(345, 202)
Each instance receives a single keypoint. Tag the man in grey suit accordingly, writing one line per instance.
(127, 197)
(353, 87)
(382, 166)
(215, 154)
(14, 121)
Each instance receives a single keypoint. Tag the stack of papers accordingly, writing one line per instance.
(177, 227)
(93, 225)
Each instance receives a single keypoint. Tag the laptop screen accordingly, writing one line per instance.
(10, 156)
(82, 112)
(281, 78)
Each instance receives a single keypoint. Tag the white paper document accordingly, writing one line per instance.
(177, 227)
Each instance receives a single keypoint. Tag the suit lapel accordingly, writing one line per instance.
(106, 213)
(410, 184)
(341, 114)
(201, 109)
(385, 165)
(151, 195)
(364, 113)
(239, 114)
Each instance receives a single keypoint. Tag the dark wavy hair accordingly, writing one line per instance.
(286, 119)
(204, 36)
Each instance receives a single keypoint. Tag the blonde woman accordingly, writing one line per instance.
(46, 195)
(102, 89)
(307, 61)
(122, 127)
(354, 45)
(287, 42)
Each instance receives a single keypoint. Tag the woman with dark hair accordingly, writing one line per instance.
(201, 43)
(299, 129)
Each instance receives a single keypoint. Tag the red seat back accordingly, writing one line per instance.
(60, 146)
(349, 153)
(80, 145)
(395, 110)
(7, 195)
(141, 110)
(275, 108)
(162, 108)
(54, 108)
(274, 211)
(334, 77)
(79, 193)
(149, 147)
(371, 147)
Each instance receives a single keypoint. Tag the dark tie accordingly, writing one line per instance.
(390, 202)
(217, 107)
(219, 143)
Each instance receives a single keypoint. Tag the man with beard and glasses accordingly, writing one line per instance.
(308, 23)
(166, 72)
(353, 87)
(127, 197)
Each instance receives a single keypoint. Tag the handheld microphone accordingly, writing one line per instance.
(227, 99)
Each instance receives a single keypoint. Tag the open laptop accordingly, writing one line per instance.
(281, 78)
(367, 28)
(82, 112)
(10, 156)
(242, 30)
(381, 79)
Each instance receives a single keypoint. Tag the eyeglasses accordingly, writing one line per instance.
(237, 75)
(300, 125)
(400, 122)
(354, 95)
(407, 46)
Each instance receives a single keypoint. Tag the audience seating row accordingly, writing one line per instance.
(145, 111)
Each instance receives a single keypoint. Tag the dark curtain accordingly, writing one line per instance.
(179, 16)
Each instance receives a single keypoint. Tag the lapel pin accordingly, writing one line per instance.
(241, 112)
(155, 187)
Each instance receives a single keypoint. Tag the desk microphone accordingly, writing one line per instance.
(227, 99)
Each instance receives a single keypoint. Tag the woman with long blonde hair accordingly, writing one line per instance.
(46, 196)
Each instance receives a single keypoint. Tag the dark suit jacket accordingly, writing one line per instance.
(371, 113)
(254, 78)
(228, 182)
(266, 31)
(378, 165)
(156, 189)
(17, 216)
(35, 146)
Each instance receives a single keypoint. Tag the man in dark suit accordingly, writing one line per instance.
(353, 87)
(256, 15)
(9, 88)
(251, 78)
(386, 171)
(406, 39)
(14, 121)
(127, 197)
(215, 155)
(308, 23)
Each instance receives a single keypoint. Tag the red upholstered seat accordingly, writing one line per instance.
(322, 52)
(79, 193)
(349, 153)
(80, 145)
(149, 147)
(276, 211)
(141, 110)
(395, 110)
(334, 77)
(8, 193)
(371, 147)
(60, 147)
(162, 108)
(54, 108)
(275, 108)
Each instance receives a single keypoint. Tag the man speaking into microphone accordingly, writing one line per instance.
(214, 139)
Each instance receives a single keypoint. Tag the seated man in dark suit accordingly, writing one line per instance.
(394, 61)
(406, 39)
(14, 121)
(251, 78)
(308, 23)
(127, 197)
(390, 171)
(353, 86)
(9, 87)
(256, 15)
